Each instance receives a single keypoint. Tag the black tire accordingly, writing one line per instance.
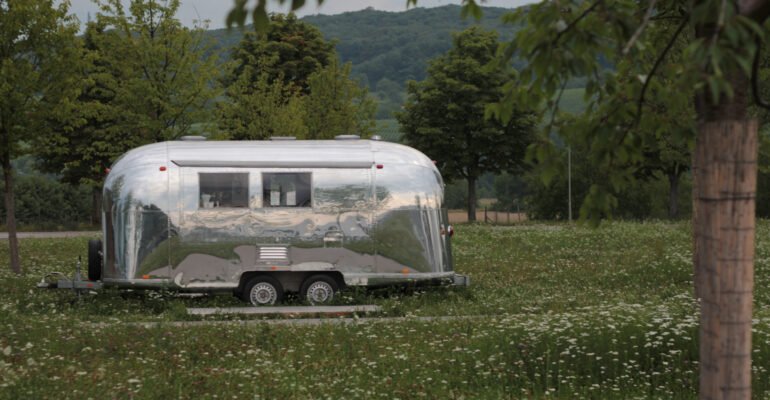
(262, 290)
(94, 260)
(319, 289)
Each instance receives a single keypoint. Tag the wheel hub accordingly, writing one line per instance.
(263, 293)
(320, 292)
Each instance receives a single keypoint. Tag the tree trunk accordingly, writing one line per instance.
(96, 205)
(10, 217)
(673, 195)
(726, 153)
(695, 222)
(471, 199)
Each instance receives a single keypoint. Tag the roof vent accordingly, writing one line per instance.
(282, 138)
(347, 137)
(193, 138)
(376, 137)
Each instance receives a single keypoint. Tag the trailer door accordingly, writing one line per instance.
(343, 207)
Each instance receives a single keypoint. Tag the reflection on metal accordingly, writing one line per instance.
(347, 137)
(366, 224)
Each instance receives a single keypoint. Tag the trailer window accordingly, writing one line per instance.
(223, 190)
(286, 189)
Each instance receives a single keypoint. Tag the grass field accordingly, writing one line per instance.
(559, 311)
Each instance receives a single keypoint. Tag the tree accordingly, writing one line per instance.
(566, 39)
(257, 110)
(336, 105)
(81, 147)
(318, 100)
(173, 68)
(444, 116)
(148, 79)
(562, 40)
(287, 50)
(37, 58)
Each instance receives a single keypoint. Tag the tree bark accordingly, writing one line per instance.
(726, 156)
(10, 217)
(673, 195)
(695, 222)
(471, 199)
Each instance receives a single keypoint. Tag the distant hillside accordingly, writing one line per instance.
(395, 45)
(389, 48)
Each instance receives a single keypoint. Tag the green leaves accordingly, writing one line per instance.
(470, 7)
(447, 114)
(145, 78)
(286, 81)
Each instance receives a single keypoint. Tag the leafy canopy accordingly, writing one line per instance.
(147, 78)
(445, 114)
(445, 118)
(656, 55)
(286, 49)
(286, 81)
(38, 61)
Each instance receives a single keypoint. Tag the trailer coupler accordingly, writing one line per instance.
(76, 283)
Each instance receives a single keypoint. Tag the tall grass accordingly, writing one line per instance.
(553, 311)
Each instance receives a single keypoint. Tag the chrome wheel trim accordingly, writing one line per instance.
(263, 293)
(320, 292)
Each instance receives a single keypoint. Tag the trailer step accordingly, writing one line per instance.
(286, 310)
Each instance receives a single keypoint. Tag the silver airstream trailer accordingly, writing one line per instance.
(261, 218)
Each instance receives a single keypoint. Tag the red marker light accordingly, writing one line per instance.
(107, 170)
(379, 166)
(162, 168)
(89, 284)
(435, 162)
(451, 231)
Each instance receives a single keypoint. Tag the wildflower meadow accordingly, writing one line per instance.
(553, 310)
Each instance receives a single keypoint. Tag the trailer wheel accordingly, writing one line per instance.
(262, 290)
(94, 260)
(319, 289)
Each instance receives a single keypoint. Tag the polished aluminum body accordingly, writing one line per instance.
(367, 210)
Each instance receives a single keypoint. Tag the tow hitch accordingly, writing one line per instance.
(77, 284)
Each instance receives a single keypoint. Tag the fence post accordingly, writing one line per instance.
(486, 219)
(518, 212)
(509, 215)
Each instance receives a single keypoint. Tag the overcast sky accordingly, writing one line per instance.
(216, 10)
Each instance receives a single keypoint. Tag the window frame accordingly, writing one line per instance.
(247, 186)
(266, 191)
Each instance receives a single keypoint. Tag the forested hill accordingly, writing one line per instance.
(396, 45)
(389, 48)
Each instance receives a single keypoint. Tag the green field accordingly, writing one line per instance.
(554, 310)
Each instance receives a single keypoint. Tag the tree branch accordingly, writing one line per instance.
(641, 28)
(656, 65)
(578, 19)
(556, 106)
